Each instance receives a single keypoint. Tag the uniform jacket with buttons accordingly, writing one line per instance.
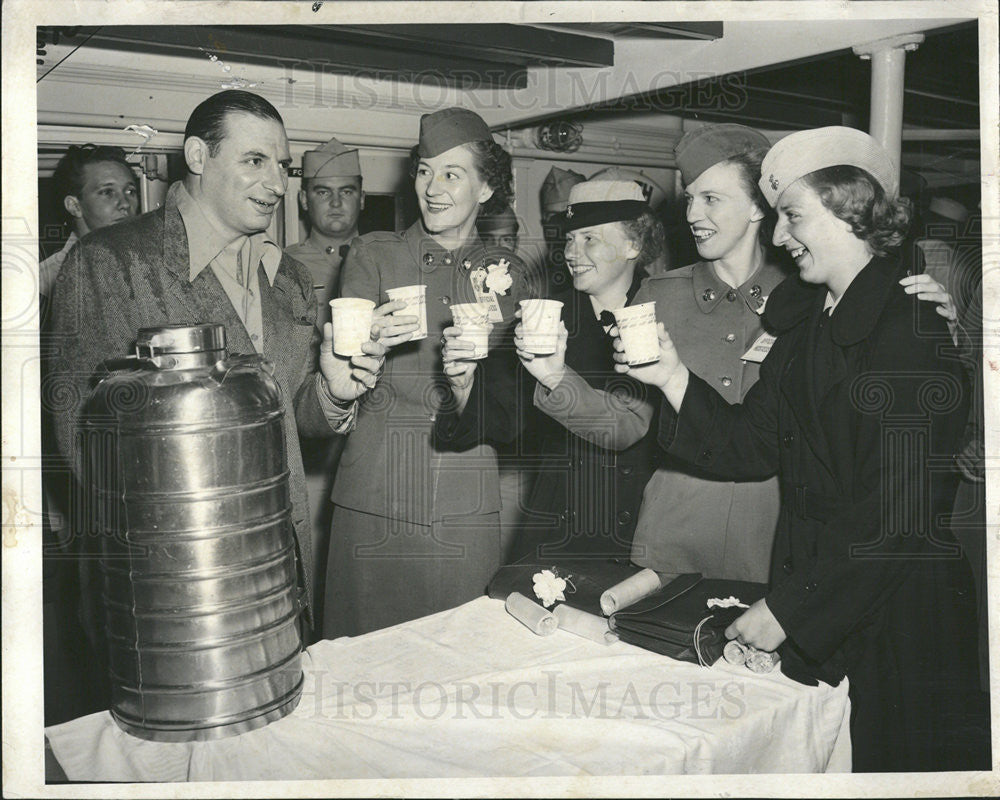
(392, 465)
(135, 274)
(865, 468)
(692, 521)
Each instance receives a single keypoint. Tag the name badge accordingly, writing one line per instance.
(759, 349)
(486, 296)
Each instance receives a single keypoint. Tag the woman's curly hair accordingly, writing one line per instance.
(646, 231)
(493, 164)
(855, 197)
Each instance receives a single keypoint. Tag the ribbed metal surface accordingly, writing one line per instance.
(198, 557)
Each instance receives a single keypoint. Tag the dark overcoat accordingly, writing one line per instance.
(866, 580)
(135, 274)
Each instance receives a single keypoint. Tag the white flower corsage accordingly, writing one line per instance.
(550, 586)
(729, 602)
(498, 278)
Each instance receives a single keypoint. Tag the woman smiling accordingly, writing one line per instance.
(415, 525)
(859, 414)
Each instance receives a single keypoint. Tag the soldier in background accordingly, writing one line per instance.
(554, 196)
(332, 197)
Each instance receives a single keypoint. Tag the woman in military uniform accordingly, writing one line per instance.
(415, 525)
(691, 521)
(860, 415)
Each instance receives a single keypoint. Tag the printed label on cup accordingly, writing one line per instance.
(474, 320)
(352, 324)
(540, 325)
(415, 298)
(637, 329)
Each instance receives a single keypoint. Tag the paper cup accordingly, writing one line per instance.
(637, 328)
(474, 320)
(352, 324)
(415, 298)
(540, 325)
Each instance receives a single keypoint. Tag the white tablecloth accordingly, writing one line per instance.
(471, 692)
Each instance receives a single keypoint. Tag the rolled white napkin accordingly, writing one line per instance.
(589, 626)
(530, 614)
(631, 590)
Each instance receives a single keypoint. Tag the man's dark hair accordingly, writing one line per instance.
(208, 120)
(68, 176)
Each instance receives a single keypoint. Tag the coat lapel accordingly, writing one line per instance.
(203, 298)
(798, 386)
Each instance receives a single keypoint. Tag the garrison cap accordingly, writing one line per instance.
(332, 160)
(803, 152)
(706, 146)
(556, 188)
(448, 128)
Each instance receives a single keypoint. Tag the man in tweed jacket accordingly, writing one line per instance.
(205, 257)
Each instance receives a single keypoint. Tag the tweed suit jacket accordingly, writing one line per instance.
(136, 274)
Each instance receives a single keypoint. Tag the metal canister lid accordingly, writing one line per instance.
(176, 339)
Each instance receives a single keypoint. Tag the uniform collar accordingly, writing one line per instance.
(206, 242)
(710, 290)
(430, 255)
(857, 311)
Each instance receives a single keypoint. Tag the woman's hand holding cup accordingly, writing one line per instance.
(459, 358)
(548, 369)
(668, 374)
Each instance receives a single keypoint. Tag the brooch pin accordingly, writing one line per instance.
(773, 181)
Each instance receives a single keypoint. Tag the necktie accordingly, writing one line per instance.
(607, 319)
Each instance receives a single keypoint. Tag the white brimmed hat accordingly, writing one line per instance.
(803, 152)
(598, 202)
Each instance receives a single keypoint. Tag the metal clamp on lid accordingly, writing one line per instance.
(170, 346)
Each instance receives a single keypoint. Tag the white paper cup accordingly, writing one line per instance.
(637, 328)
(415, 298)
(540, 325)
(474, 320)
(352, 324)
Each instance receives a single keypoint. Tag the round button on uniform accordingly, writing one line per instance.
(726, 380)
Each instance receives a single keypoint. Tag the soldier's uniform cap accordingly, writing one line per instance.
(448, 128)
(803, 152)
(598, 202)
(706, 146)
(502, 220)
(556, 188)
(332, 160)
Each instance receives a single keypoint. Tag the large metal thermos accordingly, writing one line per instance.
(198, 570)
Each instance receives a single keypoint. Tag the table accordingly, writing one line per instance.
(471, 692)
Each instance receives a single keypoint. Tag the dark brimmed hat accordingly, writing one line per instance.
(599, 202)
(706, 146)
(448, 128)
